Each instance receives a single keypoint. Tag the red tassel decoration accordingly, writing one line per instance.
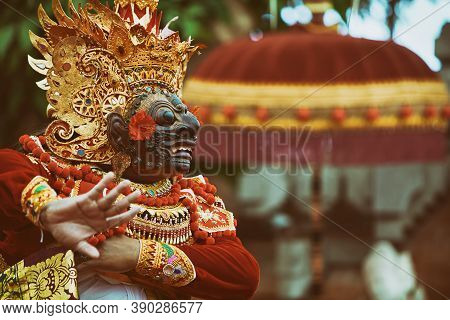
(201, 235)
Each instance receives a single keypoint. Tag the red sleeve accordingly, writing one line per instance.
(18, 236)
(225, 270)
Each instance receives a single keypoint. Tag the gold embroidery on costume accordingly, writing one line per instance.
(149, 258)
(165, 263)
(170, 224)
(53, 279)
(36, 195)
(155, 189)
(3, 264)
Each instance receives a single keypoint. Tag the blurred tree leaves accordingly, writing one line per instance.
(21, 98)
(199, 18)
(191, 16)
(6, 36)
(342, 7)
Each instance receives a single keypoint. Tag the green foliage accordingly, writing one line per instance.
(191, 17)
(341, 6)
(6, 37)
(194, 16)
(20, 99)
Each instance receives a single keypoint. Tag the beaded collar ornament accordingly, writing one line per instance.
(97, 61)
(167, 213)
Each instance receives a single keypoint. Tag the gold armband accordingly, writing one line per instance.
(165, 263)
(36, 195)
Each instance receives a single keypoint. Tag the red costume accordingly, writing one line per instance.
(224, 270)
(97, 64)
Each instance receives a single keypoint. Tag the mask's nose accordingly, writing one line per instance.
(190, 124)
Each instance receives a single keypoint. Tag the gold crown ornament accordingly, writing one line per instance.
(97, 61)
(141, 4)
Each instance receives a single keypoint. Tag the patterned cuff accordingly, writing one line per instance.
(165, 263)
(36, 195)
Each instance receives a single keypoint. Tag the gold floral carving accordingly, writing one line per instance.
(152, 4)
(53, 279)
(96, 63)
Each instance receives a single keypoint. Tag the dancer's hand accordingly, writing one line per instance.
(71, 221)
(118, 254)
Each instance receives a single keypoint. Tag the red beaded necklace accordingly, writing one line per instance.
(65, 177)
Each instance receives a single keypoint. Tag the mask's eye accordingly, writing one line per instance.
(165, 116)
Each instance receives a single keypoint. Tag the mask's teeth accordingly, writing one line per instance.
(177, 149)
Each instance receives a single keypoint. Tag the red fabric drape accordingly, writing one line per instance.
(225, 270)
(19, 238)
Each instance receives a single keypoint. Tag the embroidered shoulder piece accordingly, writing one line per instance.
(213, 221)
(55, 278)
(165, 263)
(215, 218)
(36, 195)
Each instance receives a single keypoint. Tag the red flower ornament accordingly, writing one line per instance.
(141, 126)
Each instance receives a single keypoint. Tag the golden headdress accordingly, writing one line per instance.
(96, 62)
